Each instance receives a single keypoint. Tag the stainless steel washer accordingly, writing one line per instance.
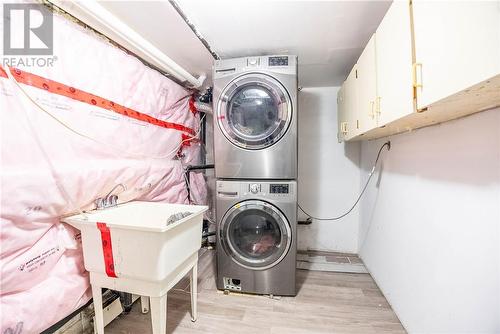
(255, 118)
(256, 236)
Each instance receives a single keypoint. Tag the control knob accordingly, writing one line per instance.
(254, 188)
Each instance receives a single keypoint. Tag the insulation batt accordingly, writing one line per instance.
(47, 170)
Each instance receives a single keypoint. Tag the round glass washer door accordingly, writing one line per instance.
(255, 234)
(254, 111)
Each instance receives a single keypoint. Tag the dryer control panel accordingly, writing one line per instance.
(282, 64)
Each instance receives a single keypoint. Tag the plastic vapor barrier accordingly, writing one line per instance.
(70, 133)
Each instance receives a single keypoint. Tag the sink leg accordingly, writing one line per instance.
(99, 316)
(144, 304)
(193, 278)
(158, 307)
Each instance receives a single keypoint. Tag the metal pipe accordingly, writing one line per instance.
(203, 107)
(189, 169)
(201, 167)
(193, 29)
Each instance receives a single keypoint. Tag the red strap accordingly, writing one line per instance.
(192, 107)
(107, 249)
(85, 97)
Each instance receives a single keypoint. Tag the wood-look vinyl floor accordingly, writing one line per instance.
(326, 302)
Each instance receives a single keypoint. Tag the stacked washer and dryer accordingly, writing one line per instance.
(255, 141)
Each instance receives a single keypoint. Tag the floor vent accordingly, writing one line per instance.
(330, 261)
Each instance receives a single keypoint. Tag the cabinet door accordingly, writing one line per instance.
(351, 104)
(394, 64)
(367, 87)
(457, 45)
(341, 115)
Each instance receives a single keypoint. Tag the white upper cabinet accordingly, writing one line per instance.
(394, 64)
(366, 77)
(428, 62)
(351, 105)
(457, 45)
(341, 115)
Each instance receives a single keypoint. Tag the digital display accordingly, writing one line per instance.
(279, 189)
(278, 61)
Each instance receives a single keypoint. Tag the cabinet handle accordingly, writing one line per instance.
(372, 112)
(343, 127)
(377, 110)
(417, 79)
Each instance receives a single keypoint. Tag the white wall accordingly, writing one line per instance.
(429, 231)
(329, 177)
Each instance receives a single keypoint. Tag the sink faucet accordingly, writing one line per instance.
(109, 200)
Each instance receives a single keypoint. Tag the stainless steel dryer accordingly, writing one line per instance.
(255, 117)
(256, 236)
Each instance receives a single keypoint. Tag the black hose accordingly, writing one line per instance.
(126, 300)
(388, 144)
(208, 234)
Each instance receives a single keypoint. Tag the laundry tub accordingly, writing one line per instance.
(134, 247)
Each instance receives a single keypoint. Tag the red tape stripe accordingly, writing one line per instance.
(58, 88)
(107, 250)
(192, 107)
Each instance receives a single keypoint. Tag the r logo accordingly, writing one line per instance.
(28, 30)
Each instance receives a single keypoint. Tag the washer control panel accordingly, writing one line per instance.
(267, 189)
(255, 189)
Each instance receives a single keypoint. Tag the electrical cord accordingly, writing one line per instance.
(388, 144)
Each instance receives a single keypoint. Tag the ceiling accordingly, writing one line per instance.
(327, 36)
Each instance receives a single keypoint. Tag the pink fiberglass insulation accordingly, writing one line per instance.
(60, 153)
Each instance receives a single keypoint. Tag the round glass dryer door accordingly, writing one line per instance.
(255, 234)
(254, 111)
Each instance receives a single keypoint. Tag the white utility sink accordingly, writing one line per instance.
(133, 247)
